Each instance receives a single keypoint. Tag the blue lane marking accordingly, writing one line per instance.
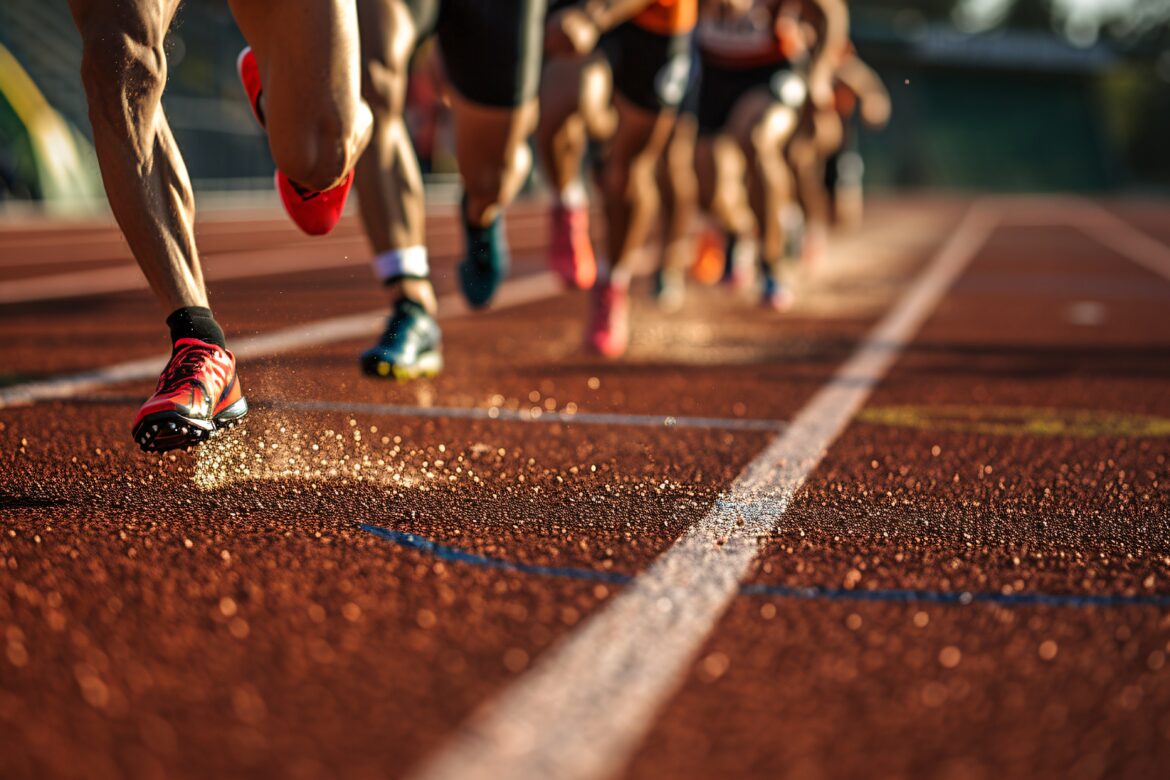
(454, 554)
(445, 553)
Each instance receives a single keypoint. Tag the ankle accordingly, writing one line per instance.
(196, 322)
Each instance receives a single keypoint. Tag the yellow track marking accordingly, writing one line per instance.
(1019, 421)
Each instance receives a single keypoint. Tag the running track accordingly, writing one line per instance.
(918, 527)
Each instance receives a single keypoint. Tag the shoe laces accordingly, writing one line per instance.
(304, 193)
(192, 362)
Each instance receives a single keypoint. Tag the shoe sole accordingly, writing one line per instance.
(428, 366)
(166, 431)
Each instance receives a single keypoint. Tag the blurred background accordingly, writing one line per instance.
(1007, 95)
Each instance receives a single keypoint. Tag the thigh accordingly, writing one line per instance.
(487, 137)
(388, 36)
(650, 70)
(561, 90)
(641, 134)
(308, 55)
(759, 124)
(492, 49)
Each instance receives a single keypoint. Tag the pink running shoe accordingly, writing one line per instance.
(609, 328)
(570, 249)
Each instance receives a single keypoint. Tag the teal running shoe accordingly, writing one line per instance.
(410, 347)
(777, 296)
(488, 258)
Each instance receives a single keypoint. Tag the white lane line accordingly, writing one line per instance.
(60, 247)
(498, 414)
(217, 266)
(1114, 233)
(588, 703)
(286, 257)
(311, 334)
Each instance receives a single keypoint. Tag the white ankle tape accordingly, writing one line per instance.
(574, 195)
(397, 263)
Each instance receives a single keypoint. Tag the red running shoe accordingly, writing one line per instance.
(609, 329)
(316, 212)
(570, 249)
(197, 393)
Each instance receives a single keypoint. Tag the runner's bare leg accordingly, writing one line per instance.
(492, 151)
(628, 180)
(680, 188)
(124, 70)
(389, 183)
(308, 55)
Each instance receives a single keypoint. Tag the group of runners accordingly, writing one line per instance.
(729, 108)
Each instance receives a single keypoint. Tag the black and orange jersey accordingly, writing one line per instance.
(668, 17)
(768, 33)
(664, 17)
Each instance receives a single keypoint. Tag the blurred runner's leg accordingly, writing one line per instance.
(575, 108)
(680, 200)
(491, 52)
(303, 80)
(646, 48)
(391, 196)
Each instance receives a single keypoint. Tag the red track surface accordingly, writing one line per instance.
(226, 614)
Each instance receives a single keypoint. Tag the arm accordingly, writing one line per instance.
(831, 43)
(868, 86)
(607, 14)
(575, 30)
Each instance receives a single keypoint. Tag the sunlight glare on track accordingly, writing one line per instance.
(585, 706)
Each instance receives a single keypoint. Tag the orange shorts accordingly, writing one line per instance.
(668, 17)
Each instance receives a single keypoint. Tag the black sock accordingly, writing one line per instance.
(196, 322)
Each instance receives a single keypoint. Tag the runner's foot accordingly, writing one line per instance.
(670, 290)
(483, 270)
(570, 249)
(410, 347)
(609, 328)
(197, 394)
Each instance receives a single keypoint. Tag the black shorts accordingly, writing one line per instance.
(649, 69)
(721, 88)
(690, 101)
(491, 48)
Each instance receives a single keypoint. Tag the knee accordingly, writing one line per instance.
(317, 161)
(319, 153)
(124, 72)
(802, 153)
(384, 89)
(485, 186)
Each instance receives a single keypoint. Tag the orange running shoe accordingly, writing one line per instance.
(609, 328)
(197, 393)
(709, 258)
(570, 251)
(316, 212)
